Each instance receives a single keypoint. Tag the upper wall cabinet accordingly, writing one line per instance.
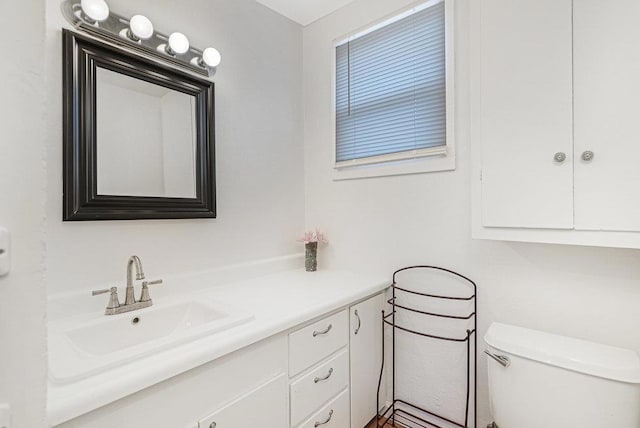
(554, 126)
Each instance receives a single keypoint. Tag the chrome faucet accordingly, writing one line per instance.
(133, 261)
(130, 304)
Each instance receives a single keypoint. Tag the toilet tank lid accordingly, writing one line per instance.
(578, 355)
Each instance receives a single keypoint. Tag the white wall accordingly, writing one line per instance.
(381, 224)
(22, 177)
(258, 152)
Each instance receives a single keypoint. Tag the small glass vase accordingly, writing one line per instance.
(311, 256)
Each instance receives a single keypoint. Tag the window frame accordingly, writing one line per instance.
(432, 159)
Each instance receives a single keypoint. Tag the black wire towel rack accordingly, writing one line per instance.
(403, 413)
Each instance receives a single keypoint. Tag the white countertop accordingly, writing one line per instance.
(278, 302)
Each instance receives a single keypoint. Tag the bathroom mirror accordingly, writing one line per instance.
(138, 136)
(145, 138)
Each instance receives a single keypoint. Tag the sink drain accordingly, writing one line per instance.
(135, 321)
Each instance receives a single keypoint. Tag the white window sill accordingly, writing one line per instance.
(400, 167)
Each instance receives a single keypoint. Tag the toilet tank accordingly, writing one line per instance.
(555, 381)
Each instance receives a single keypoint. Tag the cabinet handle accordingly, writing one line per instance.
(317, 424)
(318, 379)
(359, 322)
(559, 157)
(325, 331)
(587, 155)
(213, 425)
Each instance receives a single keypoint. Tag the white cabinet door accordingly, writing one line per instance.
(266, 406)
(366, 358)
(525, 111)
(607, 92)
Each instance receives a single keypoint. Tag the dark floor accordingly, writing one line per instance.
(373, 425)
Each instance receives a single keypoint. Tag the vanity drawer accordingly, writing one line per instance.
(311, 344)
(334, 415)
(318, 386)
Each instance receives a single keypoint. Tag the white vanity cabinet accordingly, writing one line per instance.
(337, 360)
(554, 136)
(322, 373)
(248, 385)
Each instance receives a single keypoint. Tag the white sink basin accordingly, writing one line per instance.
(119, 332)
(91, 346)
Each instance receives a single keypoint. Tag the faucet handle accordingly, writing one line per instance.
(144, 296)
(113, 298)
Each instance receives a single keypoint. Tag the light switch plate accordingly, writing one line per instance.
(5, 253)
(5, 416)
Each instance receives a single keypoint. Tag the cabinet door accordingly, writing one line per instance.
(266, 406)
(607, 90)
(525, 111)
(366, 358)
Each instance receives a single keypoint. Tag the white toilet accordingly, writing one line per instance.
(539, 380)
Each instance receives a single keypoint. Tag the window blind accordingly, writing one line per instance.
(391, 89)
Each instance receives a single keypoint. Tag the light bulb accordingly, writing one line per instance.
(95, 10)
(141, 27)
(211, 57)
(178, 44)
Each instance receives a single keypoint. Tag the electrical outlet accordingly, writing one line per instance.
(5, 416)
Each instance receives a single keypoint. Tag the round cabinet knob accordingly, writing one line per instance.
(559, 157)
(587, 156)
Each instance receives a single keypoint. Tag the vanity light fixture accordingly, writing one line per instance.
(137, 34)
(140, 28)
(94, 11)
(210, 58)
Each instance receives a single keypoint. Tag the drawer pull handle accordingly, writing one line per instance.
(317, 424)
(325, 331)
(318, 379)
(359, 322)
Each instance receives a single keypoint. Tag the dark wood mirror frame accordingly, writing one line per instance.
(81, 58)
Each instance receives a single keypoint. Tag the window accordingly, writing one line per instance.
(391, 94)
